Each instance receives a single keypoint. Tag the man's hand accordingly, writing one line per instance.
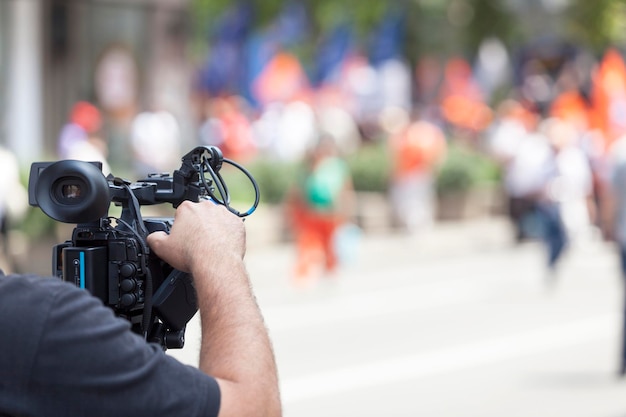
(209, 242)
(202, 233)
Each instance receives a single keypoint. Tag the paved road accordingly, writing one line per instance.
(457, 322)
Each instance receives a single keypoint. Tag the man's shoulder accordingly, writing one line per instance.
(31, 281)
(26, 291)
(25, 305)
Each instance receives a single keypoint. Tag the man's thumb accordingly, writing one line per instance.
(155, 240)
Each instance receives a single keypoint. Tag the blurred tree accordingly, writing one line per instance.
(491, 19)
(597, 24)
(328, 29)
(432, 27)
(206, 14)
(325, 14)
(301, 26)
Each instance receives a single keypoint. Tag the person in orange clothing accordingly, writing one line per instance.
(317, 206)
(571, 106)
(462, 102)
(608, 97)
(416, 152)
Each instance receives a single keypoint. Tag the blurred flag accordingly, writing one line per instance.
(292, 24)
(331, 54)
(387, 40)
(223, 69)
(290, 27)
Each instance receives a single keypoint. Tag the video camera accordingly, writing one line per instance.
(109, 256)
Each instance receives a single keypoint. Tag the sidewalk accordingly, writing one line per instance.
(265, 228)
(272, 261)
(267, 224)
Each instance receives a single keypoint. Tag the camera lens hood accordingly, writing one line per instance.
(73, 191)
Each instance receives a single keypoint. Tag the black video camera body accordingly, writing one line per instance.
(109, 256)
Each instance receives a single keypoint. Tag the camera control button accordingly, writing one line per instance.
(128, 300)
(128, 285)
(128, 270)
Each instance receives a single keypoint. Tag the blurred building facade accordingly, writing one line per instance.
(125, 56)
(3, 65)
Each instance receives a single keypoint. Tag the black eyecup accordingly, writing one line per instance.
(94, 201)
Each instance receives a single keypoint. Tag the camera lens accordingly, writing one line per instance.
(71, 191)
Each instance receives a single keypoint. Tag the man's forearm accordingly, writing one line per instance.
(235, 345)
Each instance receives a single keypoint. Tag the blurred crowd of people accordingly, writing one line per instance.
(557, 161)
(563, 161)
(552, 132)
(558, 134)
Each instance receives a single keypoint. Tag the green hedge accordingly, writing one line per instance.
(273, 177)
(370, 167)
(465, 168)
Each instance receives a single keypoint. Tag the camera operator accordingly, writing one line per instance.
(63, 353)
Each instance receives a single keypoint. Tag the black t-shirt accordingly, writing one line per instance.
(63, 353)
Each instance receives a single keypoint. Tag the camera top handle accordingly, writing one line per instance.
(189, 182)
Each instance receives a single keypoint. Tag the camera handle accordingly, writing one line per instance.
(213, 170)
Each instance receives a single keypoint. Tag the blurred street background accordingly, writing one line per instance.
(464, 250)
(459, 322)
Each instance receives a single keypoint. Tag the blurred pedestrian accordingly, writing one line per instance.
(614, 224)
(155, 142)
(13, 202)
(416, 151)
(462, 101)
(80, 137)
(227, 126)
(509, 142)
(573, 188)
(566, 195)
(531, 177)
(319, 203)
(553, 232)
